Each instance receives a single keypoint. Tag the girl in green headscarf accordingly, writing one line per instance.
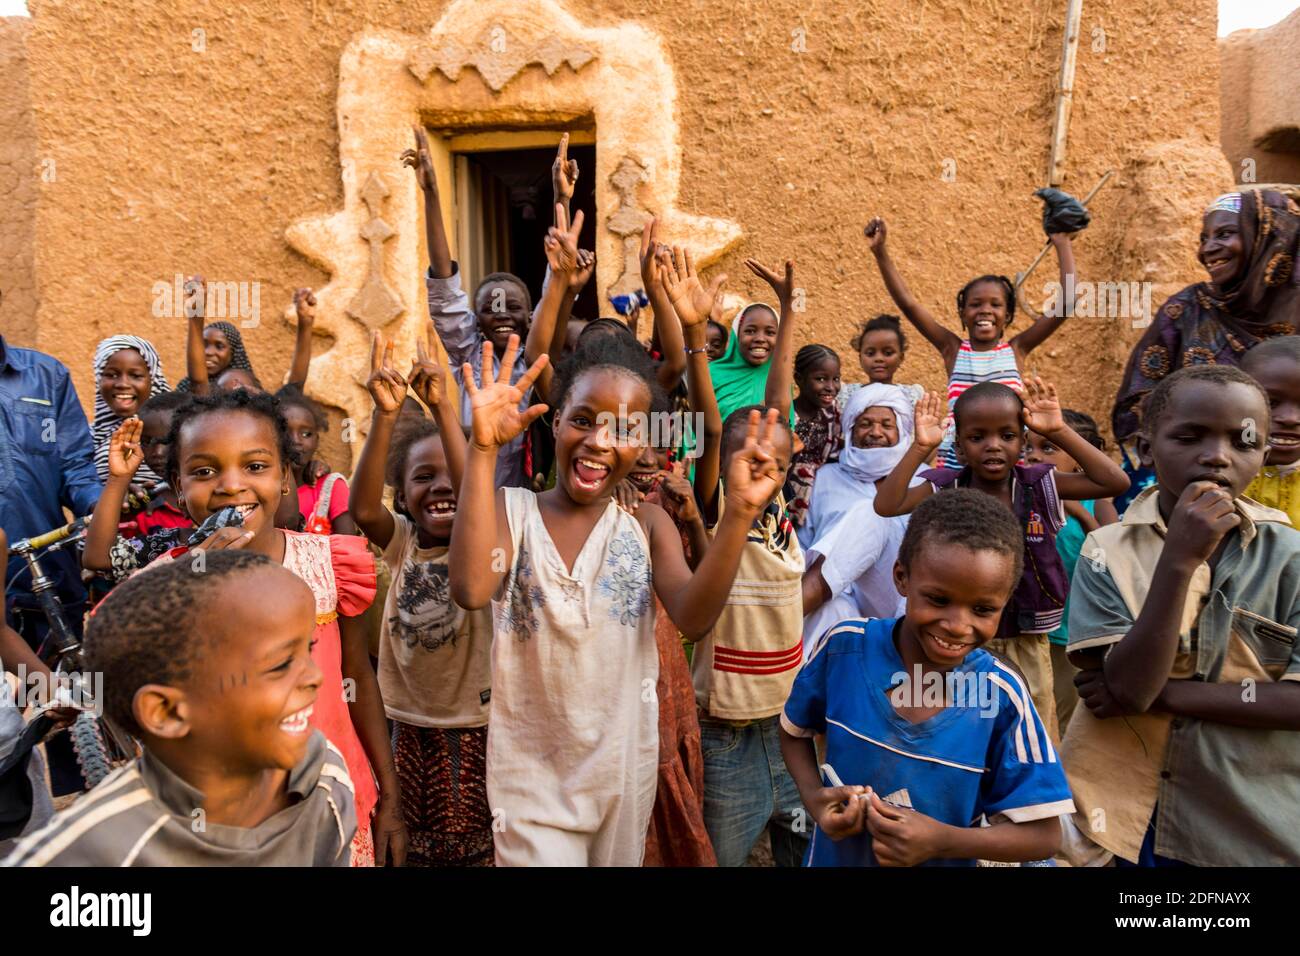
(758, 366)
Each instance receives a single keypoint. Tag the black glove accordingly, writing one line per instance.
(1062, 212)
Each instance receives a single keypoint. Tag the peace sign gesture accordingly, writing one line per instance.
(561, 244)
(691, 301)
(386, 385)
(426, 372)
(754, 478)
(495, 404)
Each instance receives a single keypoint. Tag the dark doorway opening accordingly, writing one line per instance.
(515, 208)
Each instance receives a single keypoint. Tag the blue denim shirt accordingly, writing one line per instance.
(46, 455)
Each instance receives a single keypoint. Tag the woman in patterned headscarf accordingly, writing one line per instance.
(128, 372)
(1249, 246)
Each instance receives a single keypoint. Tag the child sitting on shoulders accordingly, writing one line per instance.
(1183, 622)
(927, 734)
(1275, 364)
(211, 670)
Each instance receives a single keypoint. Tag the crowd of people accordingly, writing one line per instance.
(869, 624)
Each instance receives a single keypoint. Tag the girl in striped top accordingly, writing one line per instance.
(986, 306)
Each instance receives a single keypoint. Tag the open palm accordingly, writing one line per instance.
(1042, 412)
(782, 285)
(494, 404)
(691, 300)
(930, 413)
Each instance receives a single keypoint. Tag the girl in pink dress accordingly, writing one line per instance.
(231, 449)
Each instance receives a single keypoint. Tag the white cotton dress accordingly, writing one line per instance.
(573, 743)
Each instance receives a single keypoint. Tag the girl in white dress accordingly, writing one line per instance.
(573, 740)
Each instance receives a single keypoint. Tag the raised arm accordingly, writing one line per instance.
(564, 177)
(481, 547)
(1054, 318)
(780, 377)
(945, 340)
(562, 254)
(666, 324)
(435, 233)
(429, 384)
(692, 304)
(195, 366)
(1101, 477)
(895, 493)
(387, 390)
(304, 303)
(124, 457)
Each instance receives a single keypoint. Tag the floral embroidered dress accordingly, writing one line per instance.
(573, 744)
(340, 570)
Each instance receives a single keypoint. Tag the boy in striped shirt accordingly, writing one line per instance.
(208, 664)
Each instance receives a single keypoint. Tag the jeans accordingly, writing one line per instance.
(748, 789)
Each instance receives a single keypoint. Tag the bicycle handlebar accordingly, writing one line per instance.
(50, 537)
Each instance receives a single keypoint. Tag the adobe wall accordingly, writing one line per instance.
(1259, 80)
(18, 178)
(773, 130)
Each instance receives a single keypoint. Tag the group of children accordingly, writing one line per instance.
(833, 614)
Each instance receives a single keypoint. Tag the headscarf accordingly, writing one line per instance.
(843, 484)
(736, 383)
(238, 357)
(106, 420)
(1206, 325)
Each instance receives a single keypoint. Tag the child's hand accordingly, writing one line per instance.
(420, 160)
(304, 302)
(229, 538)
(650, 249)
(495, 404)
(691, 301)
(586, 267)
(1096, 696)
(875, 233)
(426, 374)
(627, 497)
(1042, 411)
(389, 831)
(124, 454)
(678, 495)
(385, 384)
(561, 245)
(930, 411)
(196, 298)
(840, 811)
(564, 172)
(902, 837)
(314, 471)
(753, 479)
(783, 287)
(1203, 515)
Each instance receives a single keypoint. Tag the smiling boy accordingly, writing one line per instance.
(210, 668)
(1183, 622)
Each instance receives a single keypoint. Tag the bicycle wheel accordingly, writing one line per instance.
(88, 743)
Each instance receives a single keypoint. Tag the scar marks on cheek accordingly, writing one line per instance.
(231, 681)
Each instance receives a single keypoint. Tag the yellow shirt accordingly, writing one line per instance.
(1280, 489)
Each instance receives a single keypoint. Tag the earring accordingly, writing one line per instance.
(285, 493)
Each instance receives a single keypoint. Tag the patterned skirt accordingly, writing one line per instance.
(442, 771)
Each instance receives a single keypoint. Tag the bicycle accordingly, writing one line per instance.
(99, 746)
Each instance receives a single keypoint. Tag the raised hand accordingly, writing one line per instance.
(931, 410)
(875, 233)
(196, 297)
(753, 478)
(495, 404)
(421, 161)
(691, 301)
(561, 245)
(1042, 411)
(783, 286)
(124, 453)
(650, 248)
(425, 379)
(304, 303)
(586, 268)
(564, 172)
(385, 384)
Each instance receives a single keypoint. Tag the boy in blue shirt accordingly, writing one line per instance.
(932, 735)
